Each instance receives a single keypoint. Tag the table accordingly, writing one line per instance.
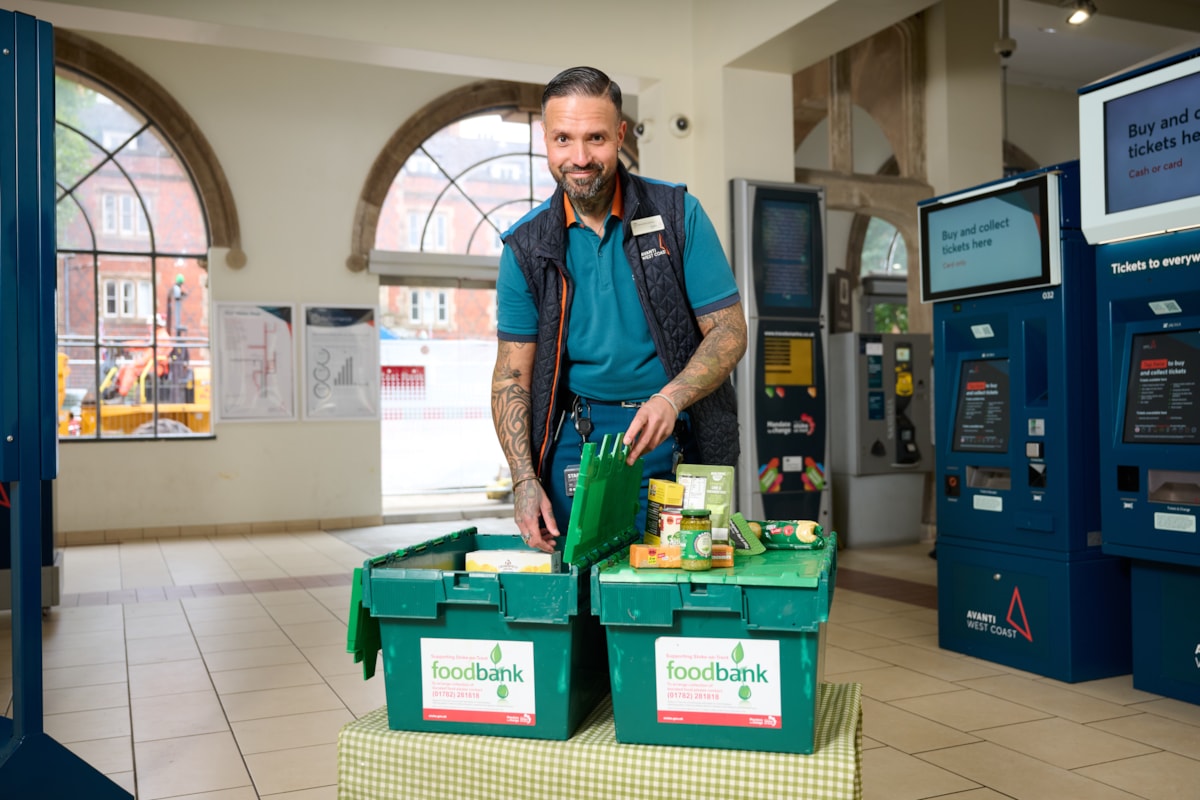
(375, 763)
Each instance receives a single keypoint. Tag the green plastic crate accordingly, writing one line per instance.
(727, 658)
(501, 654)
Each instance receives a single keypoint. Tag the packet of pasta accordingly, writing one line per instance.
(711, 487)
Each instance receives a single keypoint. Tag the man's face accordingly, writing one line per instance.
(583, 136)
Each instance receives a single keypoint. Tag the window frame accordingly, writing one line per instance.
(119, 81)
(401, 268)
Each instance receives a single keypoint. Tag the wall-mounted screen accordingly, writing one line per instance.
(787, 359)
(1139, 150)
(778, 247)
(981, 416)
(1162, 396)
(997, 238)
(783, 248)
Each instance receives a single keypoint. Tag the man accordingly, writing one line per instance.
(175, 297)
(617, 313)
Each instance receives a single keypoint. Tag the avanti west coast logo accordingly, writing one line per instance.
(481, 672)
(1016, 618)
(717, 671)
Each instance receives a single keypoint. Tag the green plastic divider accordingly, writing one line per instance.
(605, 505)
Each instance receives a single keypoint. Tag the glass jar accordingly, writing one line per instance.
(695, 534)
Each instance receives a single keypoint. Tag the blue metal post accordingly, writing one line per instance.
(31, 763)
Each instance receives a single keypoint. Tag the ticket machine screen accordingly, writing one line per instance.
(1162, 399)
(981, 420)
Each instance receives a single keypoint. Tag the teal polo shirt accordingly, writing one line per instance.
(610, 354)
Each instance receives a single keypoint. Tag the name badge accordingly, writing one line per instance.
(647, 225)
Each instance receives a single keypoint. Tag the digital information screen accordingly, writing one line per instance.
(981, 421)
(1152, 145)
(787, 359)
(783, 253)
(1162, 405)
(986, 243)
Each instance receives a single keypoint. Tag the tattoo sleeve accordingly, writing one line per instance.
(511, 405)
(720, 350)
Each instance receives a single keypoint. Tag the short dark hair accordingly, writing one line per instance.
(584, 81)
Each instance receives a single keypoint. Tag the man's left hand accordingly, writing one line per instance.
(651, 426)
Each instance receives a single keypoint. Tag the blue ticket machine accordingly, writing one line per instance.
(1022, 579)
(1140, 155)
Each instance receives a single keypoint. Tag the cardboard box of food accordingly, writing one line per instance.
(513, 561)
(664, 501)
(646, 556)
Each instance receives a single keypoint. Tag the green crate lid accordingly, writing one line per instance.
(800, 569)
(362, 634)
(604, 509)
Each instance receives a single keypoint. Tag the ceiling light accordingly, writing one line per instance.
(1082, 12)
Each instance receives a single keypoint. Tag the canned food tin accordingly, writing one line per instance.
(695, 532)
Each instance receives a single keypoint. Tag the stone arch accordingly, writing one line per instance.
(437, 114)
(107, 68)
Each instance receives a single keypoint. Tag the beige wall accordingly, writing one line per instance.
(296, 137)
(963, 120)
(1044, 123)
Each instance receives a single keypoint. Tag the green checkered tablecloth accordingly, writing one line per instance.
(375, 763)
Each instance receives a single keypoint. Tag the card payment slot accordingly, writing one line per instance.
(999, 478)
(1173, 486)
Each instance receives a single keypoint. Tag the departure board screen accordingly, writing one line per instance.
(787, 247)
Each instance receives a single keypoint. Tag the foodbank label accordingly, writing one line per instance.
(728, 682)
(478, 680)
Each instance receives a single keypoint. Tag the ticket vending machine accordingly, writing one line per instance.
(881, 425)
(1022, 579)
(779, 260)
(1140, 164)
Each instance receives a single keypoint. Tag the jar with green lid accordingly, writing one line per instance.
(695, 533)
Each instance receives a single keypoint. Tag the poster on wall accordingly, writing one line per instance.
(255, 379)
(341, 363)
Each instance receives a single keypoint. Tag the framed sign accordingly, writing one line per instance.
(255, 358)
(341, 362)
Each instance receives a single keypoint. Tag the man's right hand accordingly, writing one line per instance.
(531, 507)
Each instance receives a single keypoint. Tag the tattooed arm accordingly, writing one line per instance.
(511, 410)
(723, 345)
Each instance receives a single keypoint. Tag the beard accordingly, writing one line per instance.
(587, 192)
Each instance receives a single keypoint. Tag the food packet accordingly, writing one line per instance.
(711, 487)
(745, 537)
(790, 534)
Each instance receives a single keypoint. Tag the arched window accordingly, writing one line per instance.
(465, 185)
(471, 163)
(883, 275)
(133, 244)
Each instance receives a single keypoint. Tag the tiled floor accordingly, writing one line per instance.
(216, 668)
